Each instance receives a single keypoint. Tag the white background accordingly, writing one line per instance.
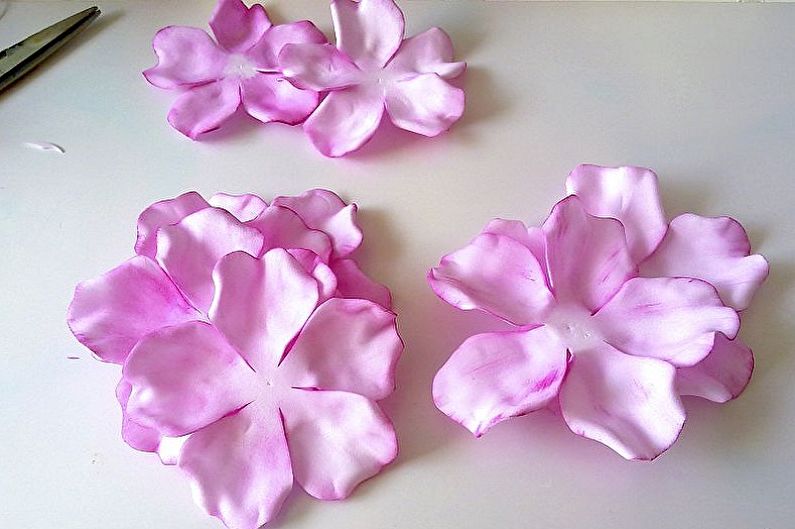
(705, 94)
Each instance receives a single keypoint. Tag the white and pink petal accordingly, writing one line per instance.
(353, 283)
(722, 375)
(368, 31)
(185, 57)
(425, 104)
(428, 52)
(265, 53)
(164, 213)
(238, 27)
(282, 227)
(244, 207)
(204, 108)
(318, 67)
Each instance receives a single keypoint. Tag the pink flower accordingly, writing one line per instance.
(373, 69)
(241, 69)
(617, 315)
(169, 281)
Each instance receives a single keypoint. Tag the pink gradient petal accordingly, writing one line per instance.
(673, 319)
(239, 467)
(204, 108)
(628, 403)
(164, 213)
(532, 237)
(345, 120)
(110, 313)
(314, 266)
(185, 377)
(492, 377)
(324, 210)
(715, 249)
(238, 27)
(428, 52)
(587, 257)
(284, 228)
(138, 437)
(495, 274)
(337, 440)
(185, 57)
(426, 104)
(347, 345)
(722, 375)
(270, 97)
(265, 53)
(318, 67)
(353, 283)
(368, 31)
(189, 250)
(244, 207)
(628, 194)
(260, 305)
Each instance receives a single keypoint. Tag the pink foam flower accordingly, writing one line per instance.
(169, 281)
(373, 70)
(240, 69)
(617, 314)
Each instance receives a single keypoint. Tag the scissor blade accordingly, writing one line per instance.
(23, 56)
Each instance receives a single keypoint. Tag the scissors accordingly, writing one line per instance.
(25, 55)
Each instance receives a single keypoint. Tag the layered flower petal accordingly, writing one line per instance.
(368, 31)
(532, 237)
(260, 305)
(345, 120)
(185, 57)
(626, 402)
(587, 257)
(238, 27)
(428, 52)
(270, 97)
(336, 440)
(185, 377)
(314, 265)
(426, 104)
(110, 313)
(164, 213)
(244, 207)
(317, 67)
(265, 53)
(722, 375)
(495, 274)
(353, 283)
(347, 345)
(628, 194)
(284, 228)
(492, 377)
(716, 250)
(139, 437)
(203, 108)
(239, 467)
(673, 319)
(189, 250)
(324, 210)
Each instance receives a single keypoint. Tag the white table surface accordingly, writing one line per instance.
(705, 94)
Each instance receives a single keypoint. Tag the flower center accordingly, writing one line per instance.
(574, 327)
(239, 66)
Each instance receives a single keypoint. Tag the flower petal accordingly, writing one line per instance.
(138, 437)
(628, 194)
(428, 52)
(284, 228)
(238, 27)
(270, 97)
(368, 31)
(495, 376)
(716, 250)
(347, 345)
(260, 305)
(495, 274)
(239, 467)
(673, 319)
(314, 266)
(318, 67)
(265, 53)
(587, 257)
(426, 104)
(628, 403)
(185, 377)
(164, 213)
(532, 237)
(244, 207)
(336, 440)
(189, 250)
(722, 375)
(345, 120)
(324, 210)
(185, 57)
(353, 283)
(204, 108)
(110, 313)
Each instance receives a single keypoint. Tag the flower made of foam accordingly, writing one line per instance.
(617, 314)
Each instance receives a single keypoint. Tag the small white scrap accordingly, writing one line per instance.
(45, 146)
